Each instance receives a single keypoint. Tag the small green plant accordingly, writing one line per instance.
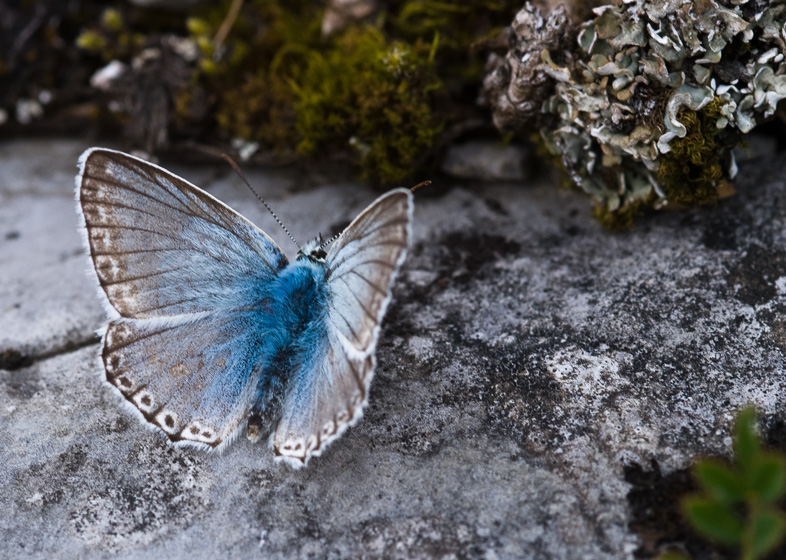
(112, 37)
(737, 504)
(674, 555)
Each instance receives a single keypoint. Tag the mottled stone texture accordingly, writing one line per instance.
(541, 383)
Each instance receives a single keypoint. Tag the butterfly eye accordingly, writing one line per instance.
(319, 254)
(313, 251)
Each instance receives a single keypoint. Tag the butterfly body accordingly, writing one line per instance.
(211, 328)
(293, 324)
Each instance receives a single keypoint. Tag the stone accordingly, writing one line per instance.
(534, 373)
(485, 160)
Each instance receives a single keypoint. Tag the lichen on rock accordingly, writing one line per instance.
(639, 81)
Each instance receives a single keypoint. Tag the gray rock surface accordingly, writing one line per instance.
(486, 160)
(529, 360)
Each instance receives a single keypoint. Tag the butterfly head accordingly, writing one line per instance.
(313, 251)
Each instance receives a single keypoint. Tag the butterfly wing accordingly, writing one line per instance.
(184, 280)
(163, 247)
(331, 389)
(192, 378)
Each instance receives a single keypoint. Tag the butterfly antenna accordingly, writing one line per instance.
(231, 162)
(332, 239)
(329, 241)
(423, 184)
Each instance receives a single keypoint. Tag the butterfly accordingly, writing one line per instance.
(211, 328)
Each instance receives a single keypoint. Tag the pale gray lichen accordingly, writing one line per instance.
(517, 85)
(611, 99)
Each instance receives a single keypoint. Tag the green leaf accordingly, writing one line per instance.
(673, 555)
(719, 481)
(746, 440)
(769, 477)
(768, 528)
(713, 520)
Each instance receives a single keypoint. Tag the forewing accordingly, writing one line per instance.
(331, 386)
(362, 266)
(193, 379)
(163, 247)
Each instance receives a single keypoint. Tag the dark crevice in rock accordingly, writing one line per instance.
(655, 515)
(12, 359)
(467, 253)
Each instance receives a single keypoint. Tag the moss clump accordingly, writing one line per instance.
(260, 110)
(622, 218)
(358, 93)
(111, 37)
(249, 76)
(691, 172)
(372, 96)
(379, 92)
(462, 27)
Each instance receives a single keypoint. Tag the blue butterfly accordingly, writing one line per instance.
(211, 328)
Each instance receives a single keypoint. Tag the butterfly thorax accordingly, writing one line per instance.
(299, 293)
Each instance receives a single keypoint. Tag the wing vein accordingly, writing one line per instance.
(356, 375)
(335, 265)
(360, 303)
(164, 306)
(349, 325)
(124, 187)
(180, 239)
(382, 291)
(136, 339)
(135, 278)
(119, 205)
(365, 233)
(187, 210)
(387, 264)
(140, 251)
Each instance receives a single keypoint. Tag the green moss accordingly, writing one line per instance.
(197, 27)
(622, 218)
(260, 109)
(372, 96)
(461, 27)
(111, 38)
(112, 20)
(379, 93)
(91, 41)
(691, 173)
(265, 51)
(290, 90)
